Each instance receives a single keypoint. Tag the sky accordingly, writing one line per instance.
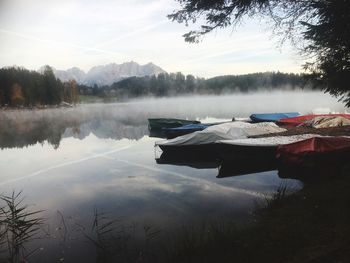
(87, 33)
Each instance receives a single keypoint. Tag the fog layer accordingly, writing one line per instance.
(129, 119)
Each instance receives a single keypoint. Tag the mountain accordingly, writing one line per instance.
(73, 73)
(108, 74)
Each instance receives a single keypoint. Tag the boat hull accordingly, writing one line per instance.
(220, 152)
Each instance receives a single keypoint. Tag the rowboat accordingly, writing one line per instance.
(159, 123)
(272, 117)
(317, 151)
(201, 143)
(171, 133)
(221, 142)
(256, 149)
(295, 121)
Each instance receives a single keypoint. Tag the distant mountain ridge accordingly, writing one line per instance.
(108, 74)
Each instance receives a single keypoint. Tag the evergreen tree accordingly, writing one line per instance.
(322, 24)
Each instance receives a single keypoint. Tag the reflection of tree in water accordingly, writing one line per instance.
(23, 128)
(107, 129)
(20, 133)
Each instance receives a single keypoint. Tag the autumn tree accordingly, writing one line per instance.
(70, 92)
(17, 98)
(320, 26)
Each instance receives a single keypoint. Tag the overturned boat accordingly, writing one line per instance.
(201, 144)
(256, 150)
(315, 152)
(272, 117)
(295, 121)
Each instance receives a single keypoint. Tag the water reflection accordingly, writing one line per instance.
(23, 128)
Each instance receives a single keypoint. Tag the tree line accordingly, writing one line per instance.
(22, 87)
(174, 84)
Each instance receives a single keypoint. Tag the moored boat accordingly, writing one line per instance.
(317, 151)
(255, 149)
(171, 133)
(201, 144)
(272, 117)
(295, 121)
(156, 124)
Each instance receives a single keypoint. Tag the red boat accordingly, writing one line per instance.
(300, 119)
(317, 151)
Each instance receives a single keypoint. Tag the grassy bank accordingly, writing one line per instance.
(85, 99)
(312, 225)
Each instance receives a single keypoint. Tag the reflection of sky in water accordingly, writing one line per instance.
(73, 160)
(121, 177)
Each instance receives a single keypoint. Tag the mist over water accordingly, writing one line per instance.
(129, 119)
(241, 104)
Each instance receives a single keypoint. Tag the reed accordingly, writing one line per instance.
(18, 226)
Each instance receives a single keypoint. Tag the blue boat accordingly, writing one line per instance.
(159, 123)
(170, 133)
(272, 117)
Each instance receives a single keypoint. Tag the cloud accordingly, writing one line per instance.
(87, 33)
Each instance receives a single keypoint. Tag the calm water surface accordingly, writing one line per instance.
(69, 162)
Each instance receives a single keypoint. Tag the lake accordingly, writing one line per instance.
(76, 163)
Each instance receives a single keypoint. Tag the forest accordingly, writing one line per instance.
(179, 84)
(20, 87)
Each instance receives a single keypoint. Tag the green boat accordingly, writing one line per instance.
(159, 123)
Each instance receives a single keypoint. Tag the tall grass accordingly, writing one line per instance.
(112, 239)
(115, 241)
(18, 226)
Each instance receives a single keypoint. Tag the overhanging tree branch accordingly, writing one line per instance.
(320, 28)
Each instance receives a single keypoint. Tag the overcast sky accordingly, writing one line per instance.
(86, 33)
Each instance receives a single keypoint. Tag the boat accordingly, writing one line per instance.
(156, 124)
(201, 144)
(272, 117)
(256, 150)
(318, 151)
(326, 122)
(171, 133)
(295, 121)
